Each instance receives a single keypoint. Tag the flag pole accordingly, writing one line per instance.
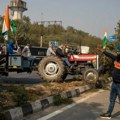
(16, 42)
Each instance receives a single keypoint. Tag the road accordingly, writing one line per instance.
(22, 78)
(25, 78)
(88, 106)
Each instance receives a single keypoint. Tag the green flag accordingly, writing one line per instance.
(104, 43)
(13, 26)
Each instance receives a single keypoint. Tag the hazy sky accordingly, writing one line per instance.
(91, 16)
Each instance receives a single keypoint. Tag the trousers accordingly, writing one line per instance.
(114, 93)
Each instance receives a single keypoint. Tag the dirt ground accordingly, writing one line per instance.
(35, 91)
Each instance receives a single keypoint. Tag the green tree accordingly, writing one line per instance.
(31, 32)
(117, 30)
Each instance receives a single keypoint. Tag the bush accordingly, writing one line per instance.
(21, 96)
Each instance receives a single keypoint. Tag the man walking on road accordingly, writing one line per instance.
(115, 88)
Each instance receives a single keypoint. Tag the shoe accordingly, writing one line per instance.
(106, 115)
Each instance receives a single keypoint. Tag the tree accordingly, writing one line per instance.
(117, 30)
(31, 32)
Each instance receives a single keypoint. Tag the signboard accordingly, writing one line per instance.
(112, 38)
(53, 43)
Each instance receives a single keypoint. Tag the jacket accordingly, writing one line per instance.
(10, 47)
(116, 70)
(59, 52)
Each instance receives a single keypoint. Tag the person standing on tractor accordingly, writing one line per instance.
(10, 47)
(115, 88)
(26, 53)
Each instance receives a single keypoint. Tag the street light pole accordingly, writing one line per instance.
(41, 39)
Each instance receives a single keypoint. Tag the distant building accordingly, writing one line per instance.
(17, 8)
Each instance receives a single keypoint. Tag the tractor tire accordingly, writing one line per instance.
(90, 75)
(51, 69)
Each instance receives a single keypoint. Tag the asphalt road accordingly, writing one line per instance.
(25, 78)
(87, 107)
(21, 78)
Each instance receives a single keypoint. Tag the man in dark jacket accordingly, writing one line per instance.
(115, 88)
(10, 47)
(59, 53)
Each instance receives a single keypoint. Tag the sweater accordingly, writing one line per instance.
(116, 71)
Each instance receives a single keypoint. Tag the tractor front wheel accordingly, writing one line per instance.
(90, 75)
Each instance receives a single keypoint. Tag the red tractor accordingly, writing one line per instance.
(52, 68)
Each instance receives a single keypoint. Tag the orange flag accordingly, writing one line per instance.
(6, 24)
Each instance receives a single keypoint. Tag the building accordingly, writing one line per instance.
(17, 8)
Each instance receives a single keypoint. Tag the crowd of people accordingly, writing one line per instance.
(12, 48)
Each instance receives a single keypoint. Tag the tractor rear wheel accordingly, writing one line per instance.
(51, 69)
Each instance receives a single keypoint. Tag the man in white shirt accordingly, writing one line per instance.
(50, 51)
(27, 53)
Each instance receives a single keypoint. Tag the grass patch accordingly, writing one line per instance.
(58, 100)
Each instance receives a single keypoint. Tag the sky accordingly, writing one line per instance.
(91, 16)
